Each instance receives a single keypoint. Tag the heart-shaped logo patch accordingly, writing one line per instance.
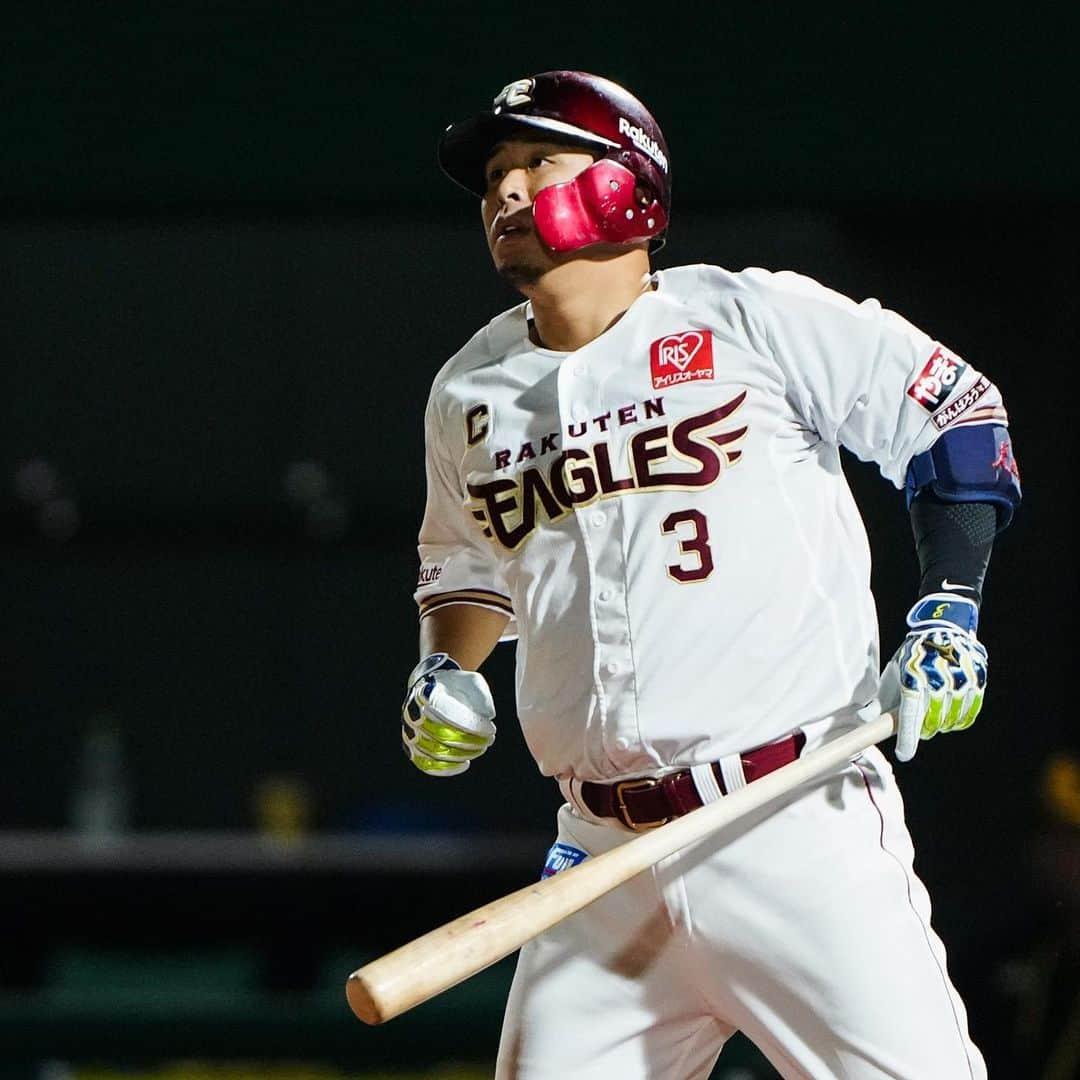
(680, 349)
(683, 357)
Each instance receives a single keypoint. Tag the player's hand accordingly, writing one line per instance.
(446, 720)
(937, 678)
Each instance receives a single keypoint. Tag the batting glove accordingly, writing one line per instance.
(446, 720)
(937, 678)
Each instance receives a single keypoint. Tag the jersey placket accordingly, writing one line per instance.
(601, 525)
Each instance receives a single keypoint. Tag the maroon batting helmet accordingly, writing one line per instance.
(599, 205)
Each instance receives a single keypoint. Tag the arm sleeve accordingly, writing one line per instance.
(862, 376)
(953, 541)
(457, 565)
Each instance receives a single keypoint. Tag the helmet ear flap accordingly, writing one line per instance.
(601, 205)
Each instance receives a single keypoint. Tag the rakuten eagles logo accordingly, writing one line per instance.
(686, 455)
(643, 141)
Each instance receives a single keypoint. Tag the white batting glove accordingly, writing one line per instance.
(446, 720)
(937, 678)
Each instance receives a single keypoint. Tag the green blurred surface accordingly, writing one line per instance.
(132, 1007)
(134, 1015)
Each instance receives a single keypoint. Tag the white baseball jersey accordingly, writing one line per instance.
(664, 516)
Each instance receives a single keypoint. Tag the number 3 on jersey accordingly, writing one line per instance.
(693, 545)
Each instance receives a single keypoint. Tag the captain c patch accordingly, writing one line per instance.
(937, 380)
(681, 358)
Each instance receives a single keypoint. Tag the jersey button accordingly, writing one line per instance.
(622, 743)
(605, 594)
(598, 519)
(612, 667)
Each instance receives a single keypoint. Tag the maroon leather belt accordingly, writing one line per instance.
(650, 802)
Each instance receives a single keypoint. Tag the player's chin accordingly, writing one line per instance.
(521, 273)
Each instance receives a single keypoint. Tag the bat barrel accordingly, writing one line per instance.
(449, 954)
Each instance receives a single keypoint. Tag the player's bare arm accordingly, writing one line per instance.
(464, 631)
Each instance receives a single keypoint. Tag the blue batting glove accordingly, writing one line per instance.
(937, 678)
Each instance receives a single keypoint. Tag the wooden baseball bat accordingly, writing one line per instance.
(443, 957)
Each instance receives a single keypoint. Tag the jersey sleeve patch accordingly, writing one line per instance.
(965, 409)
(937, 380)
(430, 573)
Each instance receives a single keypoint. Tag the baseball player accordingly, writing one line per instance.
(636, 475)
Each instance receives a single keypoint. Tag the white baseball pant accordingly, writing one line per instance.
(804, 927)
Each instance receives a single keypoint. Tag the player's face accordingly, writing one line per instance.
(516, 171)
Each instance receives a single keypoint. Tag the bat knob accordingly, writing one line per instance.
(360, 999)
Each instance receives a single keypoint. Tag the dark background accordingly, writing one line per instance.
(229, 268)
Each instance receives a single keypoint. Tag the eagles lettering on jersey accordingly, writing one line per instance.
(508, 509)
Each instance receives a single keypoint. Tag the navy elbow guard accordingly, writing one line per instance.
(972, 463)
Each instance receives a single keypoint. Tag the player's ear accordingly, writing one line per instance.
(644, 195)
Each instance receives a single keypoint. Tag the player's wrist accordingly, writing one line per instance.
(436, 661)
(946, 611)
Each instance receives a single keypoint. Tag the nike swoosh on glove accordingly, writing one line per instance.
(446, 720)
(937, 678)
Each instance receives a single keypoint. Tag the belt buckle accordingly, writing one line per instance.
(624, 815)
